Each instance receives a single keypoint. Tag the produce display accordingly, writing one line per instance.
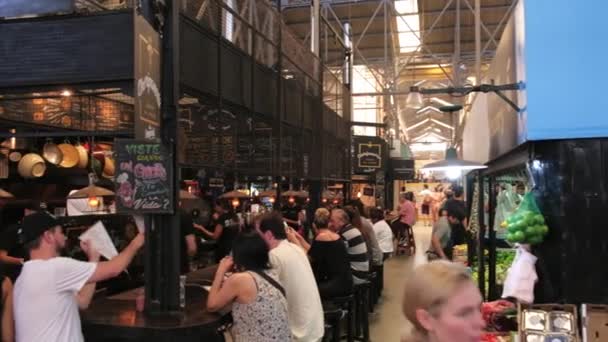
(504, 259)
(527, 225)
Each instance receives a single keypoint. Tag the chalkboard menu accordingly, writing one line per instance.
(210, 135)
(144, 177)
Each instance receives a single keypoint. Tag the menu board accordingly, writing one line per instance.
(210, 135)
(144, 177)
(147, 79)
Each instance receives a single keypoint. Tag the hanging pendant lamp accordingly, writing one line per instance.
(451, 162)
(91, 190)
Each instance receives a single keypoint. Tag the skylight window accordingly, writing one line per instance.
(408, 25)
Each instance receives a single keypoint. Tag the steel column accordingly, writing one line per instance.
(315, 13)
(477, 42)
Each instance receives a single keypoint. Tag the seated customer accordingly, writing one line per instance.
(259, 305)
(290, 263)
(329, 259)
(383, 232)
(356, 248)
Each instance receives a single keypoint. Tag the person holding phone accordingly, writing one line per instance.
(259, 305)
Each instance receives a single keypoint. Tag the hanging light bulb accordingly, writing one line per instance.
(453, 173)
(359, 194)
(451, 162)
(93, 202)
(235, 202)
(414, 98)
(291, 200)
(271, 200)
(324, 200)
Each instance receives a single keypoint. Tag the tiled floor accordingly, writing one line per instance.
(387, 324)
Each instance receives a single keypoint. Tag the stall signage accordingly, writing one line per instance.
(368, 154)
(401, 169)
(144, 177)
(147, 80)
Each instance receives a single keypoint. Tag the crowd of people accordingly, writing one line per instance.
(275, 277)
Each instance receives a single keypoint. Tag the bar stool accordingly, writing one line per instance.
(347, 305)
(373, 288)
(362, 292)
(333, 317)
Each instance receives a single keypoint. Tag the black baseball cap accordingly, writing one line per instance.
(34, 225)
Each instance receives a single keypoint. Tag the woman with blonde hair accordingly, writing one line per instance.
(443, 304)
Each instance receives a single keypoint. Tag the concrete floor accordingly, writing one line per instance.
(387, 323)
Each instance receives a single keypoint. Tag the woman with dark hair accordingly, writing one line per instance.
(224, 228)
(259, 306)
(7, 325)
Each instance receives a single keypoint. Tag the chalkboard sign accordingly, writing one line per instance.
(144, 177)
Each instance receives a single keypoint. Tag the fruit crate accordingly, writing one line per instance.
(570, 308)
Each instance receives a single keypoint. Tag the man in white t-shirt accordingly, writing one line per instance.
(292, 267)
(51, 289)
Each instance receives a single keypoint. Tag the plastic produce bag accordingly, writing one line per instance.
(527, 224)
(521, 277)
(505, 206)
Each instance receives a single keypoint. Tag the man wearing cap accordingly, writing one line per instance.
(12, 254)
(50, 289)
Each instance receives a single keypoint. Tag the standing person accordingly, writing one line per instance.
(339, 222)
(50, 289)
(225, 228)
(455, 207)
(443, 304)
(188, 246)
(427, 200)
(383, 232)
(438, 198)
(293, 214)
(259, 306)
(7, 324)
(291, 264)
(12, 253)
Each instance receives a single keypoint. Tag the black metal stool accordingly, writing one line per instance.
(347, 305)
(362, 292)
(333, 317)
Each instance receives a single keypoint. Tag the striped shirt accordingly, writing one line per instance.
(357, 252)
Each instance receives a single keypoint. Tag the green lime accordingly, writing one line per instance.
(539, 219)
(544, 229)
(510, 237)
(530, 231)
(535, 240)
(519, 236)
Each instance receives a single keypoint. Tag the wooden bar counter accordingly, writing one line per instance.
(116, 319)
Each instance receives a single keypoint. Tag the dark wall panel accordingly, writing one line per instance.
(198, 57)
(63, 50)
(265, 90)
(572, 192)
(232, 75)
